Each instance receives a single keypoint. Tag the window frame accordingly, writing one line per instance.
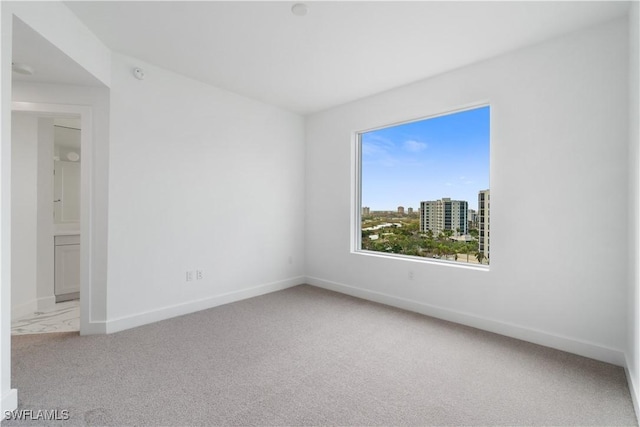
(356, 188)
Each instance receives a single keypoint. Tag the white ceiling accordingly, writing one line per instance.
(340, 51)
(50, 65)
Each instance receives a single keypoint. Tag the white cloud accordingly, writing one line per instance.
(378, 151)
(414, 146)
(372, 150)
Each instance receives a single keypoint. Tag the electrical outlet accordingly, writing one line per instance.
(410, 274)
(199, 275)
(189, 276)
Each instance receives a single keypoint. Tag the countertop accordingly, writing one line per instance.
(66, 229)
(66, 232)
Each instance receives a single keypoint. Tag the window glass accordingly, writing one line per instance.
(424, 188)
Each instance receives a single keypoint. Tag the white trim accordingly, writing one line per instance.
(139, 319)
(9, 401)
(428, 116)
(559, 342)
(633, 389)
(94, 328)
(424, 260)
(356, 192)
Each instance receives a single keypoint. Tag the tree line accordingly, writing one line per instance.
(408, 240)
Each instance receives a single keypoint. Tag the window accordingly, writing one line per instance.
(424, 188)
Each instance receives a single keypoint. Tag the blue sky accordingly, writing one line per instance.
(446, 156)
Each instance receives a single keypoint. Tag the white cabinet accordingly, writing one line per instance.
(67, 267)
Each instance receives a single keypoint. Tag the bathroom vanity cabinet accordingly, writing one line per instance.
(67, 267)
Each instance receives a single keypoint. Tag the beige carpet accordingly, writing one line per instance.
(306, 356)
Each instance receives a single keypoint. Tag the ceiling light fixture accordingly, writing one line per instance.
(73, 156)
(22, 68)
(299, 9)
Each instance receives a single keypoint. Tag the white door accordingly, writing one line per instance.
(66, 192)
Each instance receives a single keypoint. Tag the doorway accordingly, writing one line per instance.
(46, 179)
(56, 241)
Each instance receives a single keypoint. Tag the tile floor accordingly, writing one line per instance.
(63, 317)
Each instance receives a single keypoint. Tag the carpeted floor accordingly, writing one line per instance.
(307, 356)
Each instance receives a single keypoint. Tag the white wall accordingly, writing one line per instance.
(201, 179)
(45, 258)
(633, 349)
(8, 396)
(558, 272)
(24, 195)
(62, 28)
(31, 227)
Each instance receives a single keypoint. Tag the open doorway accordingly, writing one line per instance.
(46, 200)
(46, 230)
(51, 145)
(60, 88)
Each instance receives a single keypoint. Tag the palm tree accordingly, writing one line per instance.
(468, 248)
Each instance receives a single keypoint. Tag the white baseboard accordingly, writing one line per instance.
(128, 322)
(93, 328)
(568, 344)
(633, 388)
(25, 309)
(9, 401)
(46, 303)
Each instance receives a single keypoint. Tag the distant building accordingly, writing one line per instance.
(366, 211)
(472, 218)
(384, 225)
(410, 211)
(401, 210)
(444, 214)
(483, 222)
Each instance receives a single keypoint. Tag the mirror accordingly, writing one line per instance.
(66, 183)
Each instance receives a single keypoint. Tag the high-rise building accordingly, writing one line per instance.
(472, 218)
(410, 211)
(483, 223)
(444, 214)
(366, 211)
(401, 210)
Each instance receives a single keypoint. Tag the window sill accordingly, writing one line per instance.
(421, 260)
